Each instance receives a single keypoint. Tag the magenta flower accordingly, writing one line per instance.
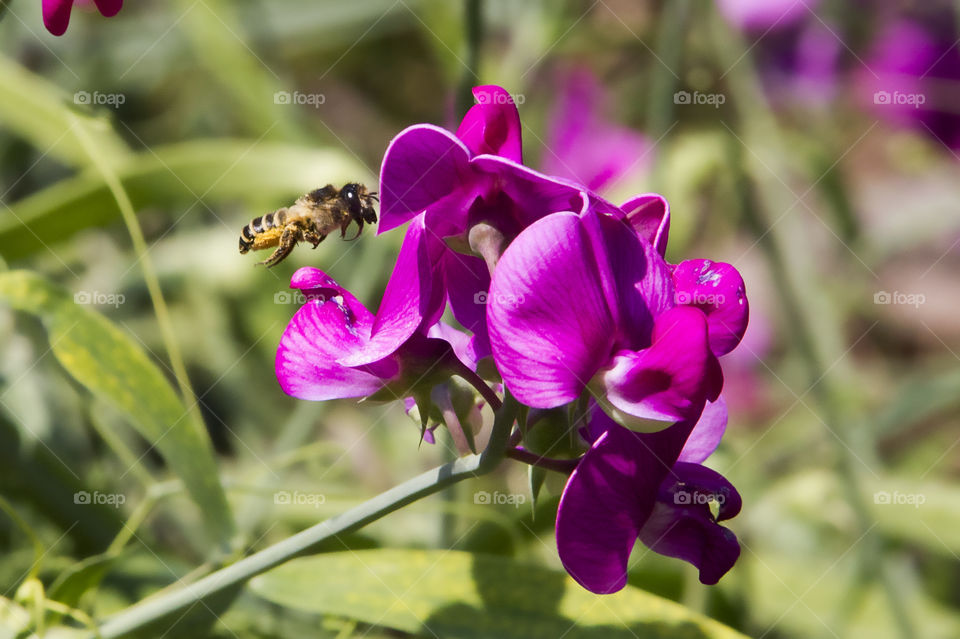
(56, 13)
(335, 348)
(583, 146)
(464, 179)
(647, 486)
(763, 15)
(601, 310)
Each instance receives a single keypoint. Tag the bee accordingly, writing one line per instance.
(311, 218)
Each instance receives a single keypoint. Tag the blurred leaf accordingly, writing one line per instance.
(921, 512)
(194, 172)
(462, 595)
(80, 577)
(116, 370)
(38, 111)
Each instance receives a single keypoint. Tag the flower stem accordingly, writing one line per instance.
(565, 466)
(306, 542)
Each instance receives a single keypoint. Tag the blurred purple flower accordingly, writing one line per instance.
(462, 180)
(647, 486)
(763, 15)
(583, 146)
(56, 13)
(913, 76)
(335, 348)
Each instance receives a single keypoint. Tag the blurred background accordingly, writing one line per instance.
(812, 144)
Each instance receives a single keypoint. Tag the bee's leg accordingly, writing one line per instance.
(343, 229)
(288, 239)
(313, 237)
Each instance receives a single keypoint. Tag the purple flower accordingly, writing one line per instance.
(335, 348)
(462, 180)
(583, 146)
(913, 69)
(56, 13)
(762, 15)
(583, 301)
(647, 486)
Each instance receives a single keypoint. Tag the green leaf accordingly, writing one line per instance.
(460, 595)
(192, 173)
(39, 112)
(114, 368)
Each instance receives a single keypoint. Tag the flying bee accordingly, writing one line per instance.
(311, 218)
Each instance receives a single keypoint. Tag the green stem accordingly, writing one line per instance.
(663, 82)
(473, 31)
(307, 541)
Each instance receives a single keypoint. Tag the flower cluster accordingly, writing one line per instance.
(568, 301)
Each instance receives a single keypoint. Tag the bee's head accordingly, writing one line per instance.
(360, 203)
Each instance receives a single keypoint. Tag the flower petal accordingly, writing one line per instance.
(666, 382)
(423, 165)
(718, 290)
(550, 325)
(707, 433)
(682, 525)
(109, 8)
(468, 288)
(609, 497)
(56, 15)
(649, 215)
(493, 124)
(319, 334)
(414, 296)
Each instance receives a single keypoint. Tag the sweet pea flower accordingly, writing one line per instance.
(764, 15)
(56, 13)
(335, 348)
(651, 487)
(467, 179)
(586, 301)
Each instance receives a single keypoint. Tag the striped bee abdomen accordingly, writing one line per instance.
(259, 226)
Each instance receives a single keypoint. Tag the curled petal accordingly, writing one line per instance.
(649, 215)
(707, 433)
(550, 325)
(423, 165)
(609, 497)
(319, 334)
(56, 15)
(468, 288)
(682, 525)
(666, 382)
(414, 296)
(493, 124)
(718, 290)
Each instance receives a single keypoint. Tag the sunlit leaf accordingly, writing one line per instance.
(465, 596)
(114, 368)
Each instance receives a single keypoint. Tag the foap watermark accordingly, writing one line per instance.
(907, 299)
(886, 498)
(86, 498)
(485, 498)
(484, 297)
(98, 298)
(501, 98)
(699, 298)
(713, 99)
(297, 97)
(297, 297)
(97, 98)
(899, 98)
(297, 498)
(697, 498)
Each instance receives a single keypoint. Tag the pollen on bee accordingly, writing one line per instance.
(267, 239)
